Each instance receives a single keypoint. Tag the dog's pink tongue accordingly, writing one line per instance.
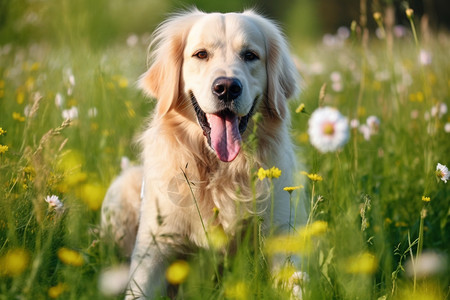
(225, 136)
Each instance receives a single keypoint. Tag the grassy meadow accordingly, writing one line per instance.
(378, 213)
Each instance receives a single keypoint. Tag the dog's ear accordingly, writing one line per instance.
(162, 79)
(282, 75)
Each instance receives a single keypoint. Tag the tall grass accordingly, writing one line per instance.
(370, 231)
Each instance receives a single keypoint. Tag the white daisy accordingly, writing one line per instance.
(442, 172)
(54, 202)
(328, 129)
(70, 114)
(374, 124)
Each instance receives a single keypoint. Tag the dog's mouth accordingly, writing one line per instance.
(223, 130)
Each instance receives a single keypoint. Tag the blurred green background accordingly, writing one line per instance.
(101, 22)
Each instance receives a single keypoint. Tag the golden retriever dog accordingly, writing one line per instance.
(210, 73)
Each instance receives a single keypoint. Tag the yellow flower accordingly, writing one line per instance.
(92, 194)
(14, 262)
(290, 189)
(426, 199)
(261, 173)
(3, 149)
(2, 132)
(313, 177)
(20, 97)
(123, 83)
(288, 244)
(364, 263)
(238, 291)
(70, 257)
(300, 108)
(377, 16)
(55, 291)
(273, 172)
(315, 229)
(177, 272)
(218, 237)
(409, 13)
(18, 117)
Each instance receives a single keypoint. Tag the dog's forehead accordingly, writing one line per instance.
(219, 29)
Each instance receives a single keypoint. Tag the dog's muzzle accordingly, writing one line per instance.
(223, 130)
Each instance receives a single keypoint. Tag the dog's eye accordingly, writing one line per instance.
(201, 54)
(250, 56)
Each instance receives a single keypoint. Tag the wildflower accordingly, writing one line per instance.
(18, 117)
(54, 202)
(177, 272)
(425, 57)
(439, 110)
(59, 100)
(70, 257)
(217, 237)
(328, 129)
(113, 281)
(313, 177)
(316, 228)
(3, 149)
(365, 263)
(2, 132)
(92, 112)
(70, 114)
(426, 264)
(273, 172)
(123, 83)
(14, 262)
(374, 124)
(442, 172)
(56, 291)
(426, 199)
(300, 108)
(290, 189)
(447, 127)
(238, 291)
(409, 13)
(132, 40)
(92, 194)
(354, 123)
(377, 16)
(288, 244)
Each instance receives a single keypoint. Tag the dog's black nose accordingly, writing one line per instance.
(227, 88)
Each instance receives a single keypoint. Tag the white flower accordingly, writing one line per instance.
(113, 281)
(442, 172)
(354, 123)
(70, 114)
(328, 129)
(374, 124)
(439, 110)
(92, 112)
(54, 202)
(425, 57)
(427, 264)
(132, 40)
(365, 130)
(59, 100)
(447, 127)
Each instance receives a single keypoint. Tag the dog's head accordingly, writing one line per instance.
(222, 68)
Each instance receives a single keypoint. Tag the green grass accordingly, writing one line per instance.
(378, 183)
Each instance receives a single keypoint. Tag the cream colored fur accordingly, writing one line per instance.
(166, 219)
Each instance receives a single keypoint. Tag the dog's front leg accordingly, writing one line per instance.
(148, 265)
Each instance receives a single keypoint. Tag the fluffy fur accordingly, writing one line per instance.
(151, 228)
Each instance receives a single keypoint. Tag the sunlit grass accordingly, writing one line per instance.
(377, 205)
